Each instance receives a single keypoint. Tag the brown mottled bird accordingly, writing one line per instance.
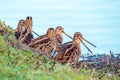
(44, 43)
(59, 38)
(29, 24)
(70, 52)
(20, 29)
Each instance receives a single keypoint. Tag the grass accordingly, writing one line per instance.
(19, 64)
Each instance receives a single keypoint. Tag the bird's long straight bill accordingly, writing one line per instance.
(35, 33)
(86, 46)
(67, 35)
(89, 42)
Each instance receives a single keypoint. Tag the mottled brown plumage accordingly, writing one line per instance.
(20, 29)
(59, 38)
(44, 43)
(70, 52)
(23, 31)
(29, 24)
(27, 37)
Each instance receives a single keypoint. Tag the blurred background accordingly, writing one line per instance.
(97, 20)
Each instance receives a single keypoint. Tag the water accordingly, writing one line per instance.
(97, 20)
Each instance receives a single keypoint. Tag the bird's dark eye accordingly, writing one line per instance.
(23, 22)
(61, 29)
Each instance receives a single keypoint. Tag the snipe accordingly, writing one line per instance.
(70, 52)
(20, 29)
(44, 43)
(59, 38)
(27, 35)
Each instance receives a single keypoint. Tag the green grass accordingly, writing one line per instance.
(18, 64)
